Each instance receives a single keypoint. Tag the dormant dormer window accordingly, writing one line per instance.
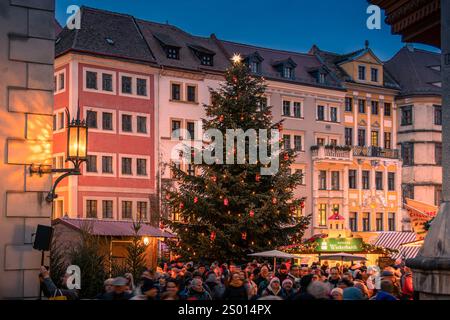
(173, 53)
(286, 68)
(206, 59)
(321, 78)
(254, 61)
(254, 66)
(205, 55)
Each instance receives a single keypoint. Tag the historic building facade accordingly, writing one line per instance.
(111, 80)
(373, 201)
(419, 122)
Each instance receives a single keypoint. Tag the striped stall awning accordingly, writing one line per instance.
(394, 239)
(407, 252)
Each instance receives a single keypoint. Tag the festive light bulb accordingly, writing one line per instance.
(252, 213)
(195, 199)
(237, 58)
(213, 236)
(225, 202)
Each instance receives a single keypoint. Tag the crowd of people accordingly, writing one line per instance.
(253, 281)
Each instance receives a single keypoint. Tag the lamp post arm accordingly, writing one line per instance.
(67, 172)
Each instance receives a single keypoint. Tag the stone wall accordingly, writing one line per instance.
(26, 104)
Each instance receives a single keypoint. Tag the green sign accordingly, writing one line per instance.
(339, 245)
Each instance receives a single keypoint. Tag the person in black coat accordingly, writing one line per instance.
(235, 289)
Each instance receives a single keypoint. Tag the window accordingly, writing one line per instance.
(438, 115)
(141, 167)
(191, 93)
(374, 138)
(107, 121)
(191, 130)
(366, 180)
(374, 74)
(322, 180)
(126, 85)
(438, 153)
(408, 191)
(176, 92)
(91, 164)
(361, 106)
(366, 221)
(142, 210)
(297, 110)
(353, 221)
(190, 169)
(379, 180)
(263, 103)
(173, 53)
(141, 87)
(127, 209)
(387, 109)
(254, 66)
(391, 181)
(176, 132)
(333, 114)
(126, 123)
(408, 154)
(206, 59)
(107, 84)
(322, 214)
(287, 141)
(61, 81)
(361, 72)
(387, 140)
(286, 108)
(352, 179)
(55, 84)
(437, 195)
(321, 77)
(348, 136)
(91, 80)
(107, 208)
(91, 119)
(126, 166)
(407, 116)
(55, 120)
(320, 113)
(391, 221)
(107, 164)
(333, 142)
(374, 107)
(61, 121)
(320, 141)
(348, 104)
(141, 124)
(302, 178)
(379, 221)
(298, 143)
(362, 137)
(287, 72)
(334, 180)
(91, 209)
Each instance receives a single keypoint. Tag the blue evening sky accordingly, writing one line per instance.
(295, 25)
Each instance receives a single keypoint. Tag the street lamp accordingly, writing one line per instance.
(77, 138)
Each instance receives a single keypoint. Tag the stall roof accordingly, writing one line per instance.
(394, 239)
(112, 227)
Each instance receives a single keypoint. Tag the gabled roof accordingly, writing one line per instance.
(334, 61)
(415, 70)
(271, 57)
(99, 25)
(188, 44)
(115, 228)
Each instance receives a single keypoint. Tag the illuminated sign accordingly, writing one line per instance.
(339, 245)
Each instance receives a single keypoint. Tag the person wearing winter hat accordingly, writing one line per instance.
(120, 285)
(288, 287)
(274, 289)
(150, 290)
(337, 294)
(352, 293)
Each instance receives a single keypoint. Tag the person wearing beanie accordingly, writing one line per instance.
(288, 287)
(274, 289)
(337, 294)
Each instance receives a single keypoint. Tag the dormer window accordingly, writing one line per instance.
(173, 53)
(321, 78)
(254, 66)
(206, 59)
(287, 72)
(253, 62)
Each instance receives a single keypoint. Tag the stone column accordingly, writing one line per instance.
(27, 40)
(431, 268)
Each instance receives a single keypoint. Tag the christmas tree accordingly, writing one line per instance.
(227, 211)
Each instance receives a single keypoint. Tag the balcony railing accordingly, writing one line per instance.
(338, 153)
(375, 152)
